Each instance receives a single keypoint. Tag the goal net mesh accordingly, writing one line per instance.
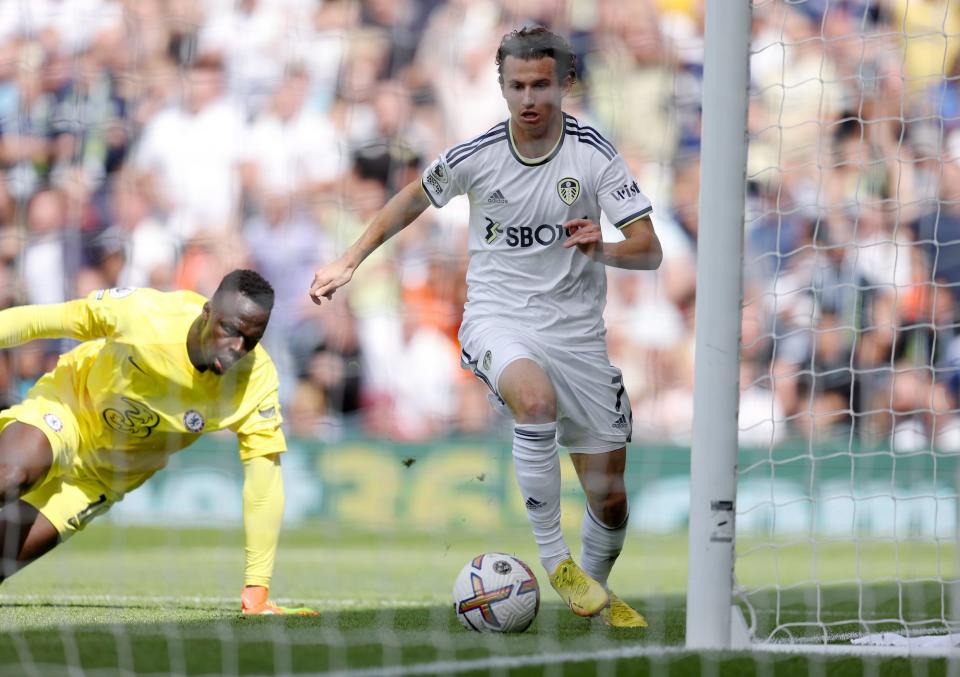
(847, 490)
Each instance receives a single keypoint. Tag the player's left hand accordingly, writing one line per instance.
(585, 234)
(255, 600)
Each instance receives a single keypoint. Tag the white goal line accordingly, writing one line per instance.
(862, 650)
(506, 662)
(542, 659)
(207, 601)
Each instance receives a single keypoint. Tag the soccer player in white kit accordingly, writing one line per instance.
(533, 327)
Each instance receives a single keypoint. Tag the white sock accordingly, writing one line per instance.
(537, 465)
(601, 546)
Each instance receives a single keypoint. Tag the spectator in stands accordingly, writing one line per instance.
(328, 352)
(146, 249)
(292, 150)
(285, 245)
(249, 37)
(25, 121)
(635, 70)
(43, 261)
(192, 152)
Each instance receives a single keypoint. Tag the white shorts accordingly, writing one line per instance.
(593, 410)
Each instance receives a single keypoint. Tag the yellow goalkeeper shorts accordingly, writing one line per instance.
(63, 496)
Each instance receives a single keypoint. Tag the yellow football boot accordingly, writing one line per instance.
(619, 614)
(582, 594)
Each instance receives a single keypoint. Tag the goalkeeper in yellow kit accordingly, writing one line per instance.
(154, 372)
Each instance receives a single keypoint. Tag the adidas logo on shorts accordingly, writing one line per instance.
(621, 423)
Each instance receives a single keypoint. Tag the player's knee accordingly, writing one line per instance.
(608, 501)
(535, 408)
(527, 390)
(25, 457)
(610, 508)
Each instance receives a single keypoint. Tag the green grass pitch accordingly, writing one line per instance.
(160, 601)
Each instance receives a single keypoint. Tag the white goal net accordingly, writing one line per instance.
(849, 416)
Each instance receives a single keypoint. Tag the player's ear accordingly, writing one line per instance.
(205, 314)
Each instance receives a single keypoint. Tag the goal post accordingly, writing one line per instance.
(717, 344)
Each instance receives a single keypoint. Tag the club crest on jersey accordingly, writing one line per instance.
(52, 420)
(568, 189)
(121, 292)
(193, 421)
(114, 293)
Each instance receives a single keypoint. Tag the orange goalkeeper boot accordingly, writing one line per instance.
(255, 601)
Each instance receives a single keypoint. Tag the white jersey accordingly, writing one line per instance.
(519, 271)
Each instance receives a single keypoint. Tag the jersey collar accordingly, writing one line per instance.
(533, 162)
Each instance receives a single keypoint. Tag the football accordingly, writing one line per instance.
(495, 592)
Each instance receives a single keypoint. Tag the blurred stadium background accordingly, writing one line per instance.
(165, 142)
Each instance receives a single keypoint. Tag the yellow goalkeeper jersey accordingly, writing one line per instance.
(135, 394)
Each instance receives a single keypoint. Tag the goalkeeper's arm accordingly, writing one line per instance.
(262, 514)
(73, 319)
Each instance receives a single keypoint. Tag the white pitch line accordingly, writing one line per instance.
(139, 600)
(508, 662)
(861, 650)
(441, 667)
(505, 662)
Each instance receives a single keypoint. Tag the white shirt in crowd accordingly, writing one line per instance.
(75, 22)
(195, 161)
(296, 153)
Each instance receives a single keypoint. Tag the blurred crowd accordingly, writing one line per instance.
(164, 142)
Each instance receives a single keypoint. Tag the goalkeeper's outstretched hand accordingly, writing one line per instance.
(255, 600)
